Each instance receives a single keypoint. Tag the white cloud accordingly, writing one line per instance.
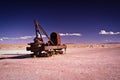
(16, 38)
(29, 37)
(108, 33)
(1, 39)
(26, 37)
(43, 36)
(70, 34)
(108, 40)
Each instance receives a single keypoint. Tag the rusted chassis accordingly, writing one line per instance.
(44, 50)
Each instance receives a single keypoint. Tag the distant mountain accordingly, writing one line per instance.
(112, 43)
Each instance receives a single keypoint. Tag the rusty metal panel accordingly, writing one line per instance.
(55, 47)
(55, 37)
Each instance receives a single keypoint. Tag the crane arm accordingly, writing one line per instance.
(38, 28)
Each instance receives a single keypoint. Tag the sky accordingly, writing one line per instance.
(77, 21)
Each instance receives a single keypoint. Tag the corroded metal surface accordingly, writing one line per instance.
(38, 46)
(55, 37)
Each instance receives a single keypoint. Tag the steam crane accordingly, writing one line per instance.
(42, 49)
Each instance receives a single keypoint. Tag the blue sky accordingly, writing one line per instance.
(96, 21)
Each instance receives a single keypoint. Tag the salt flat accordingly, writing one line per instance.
(77, 64)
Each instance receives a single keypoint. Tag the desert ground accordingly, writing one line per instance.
(80, 62)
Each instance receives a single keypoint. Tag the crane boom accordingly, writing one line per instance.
(38, 28)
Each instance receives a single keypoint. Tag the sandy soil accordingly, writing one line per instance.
(23, 46)
(77, 64)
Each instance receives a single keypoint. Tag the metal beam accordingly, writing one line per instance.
(55, 47)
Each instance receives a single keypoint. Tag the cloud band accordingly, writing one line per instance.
(29, 37)
(103, 32)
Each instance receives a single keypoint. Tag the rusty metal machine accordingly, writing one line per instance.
(42, 49)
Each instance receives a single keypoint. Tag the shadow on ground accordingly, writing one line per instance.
(20, 56)
(15, 56)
